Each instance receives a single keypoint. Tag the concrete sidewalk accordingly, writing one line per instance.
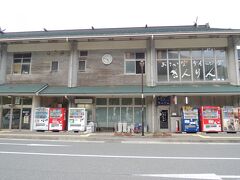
(221, 137)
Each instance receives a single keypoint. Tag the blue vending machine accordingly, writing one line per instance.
(190, 119)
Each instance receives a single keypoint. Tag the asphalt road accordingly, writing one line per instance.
(58, 160)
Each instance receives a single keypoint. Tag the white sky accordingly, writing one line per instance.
(34, 15)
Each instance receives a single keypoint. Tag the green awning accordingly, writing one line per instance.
(21, 89)
(136, 90)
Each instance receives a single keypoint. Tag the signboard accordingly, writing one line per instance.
(163, 100)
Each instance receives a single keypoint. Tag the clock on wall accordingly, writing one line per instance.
(107, 59)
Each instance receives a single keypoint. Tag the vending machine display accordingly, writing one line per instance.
(190, 119)
(230, 119)
(210, 120)
(57, 119)
(41, 116)
(77, 120)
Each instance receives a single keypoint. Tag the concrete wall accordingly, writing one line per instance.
(41, 69)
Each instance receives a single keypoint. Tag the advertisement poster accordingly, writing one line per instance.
(190, 120)
(230, 119)
(77, 119)
(210, 119)
(26, 118)
(41, 115)
(57, 119)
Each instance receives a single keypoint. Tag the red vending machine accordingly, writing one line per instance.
(57, 119)
(210, 120)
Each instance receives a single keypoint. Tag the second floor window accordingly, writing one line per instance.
(132, 63)
(21, 63)
(82, 65)
(54, 67)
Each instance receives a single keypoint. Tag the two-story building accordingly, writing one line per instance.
(100, 70)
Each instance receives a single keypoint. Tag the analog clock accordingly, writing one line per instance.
(107, 59)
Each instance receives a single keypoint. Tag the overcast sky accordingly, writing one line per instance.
(34, 15)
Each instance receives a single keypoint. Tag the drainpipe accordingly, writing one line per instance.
(40, 90)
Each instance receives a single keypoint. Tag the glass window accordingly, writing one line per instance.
(174, 70)
(140, 67)
(197, 70)
(54, 66)
(83, 53)
(186, 70)
(6, 100)
(21, 63)
(101, 101)
(138, 101)
(127, 114)
(208, 53)
(238, 54)
(127, 101)
(221, 70)
(27, 101)
(209, 69)
(130, 66)
(114, 101)
(172, 54)
(138, 115)
(132, 63)
(101, 116)
(162, 54)
(113, 116)
(140, 55)
(162, 70)
(187, 65)
(82, 65)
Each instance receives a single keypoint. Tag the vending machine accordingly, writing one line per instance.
(77, 119)
(190, 119)
(41, 116)
(230, 119)
(57, 119)
(210, 120)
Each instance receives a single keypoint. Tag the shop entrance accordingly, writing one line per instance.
(16, 118)
(163, 117)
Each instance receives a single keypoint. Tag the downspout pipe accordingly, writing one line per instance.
(40, 90)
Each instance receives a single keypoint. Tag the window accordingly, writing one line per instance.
(54, 67)
(82, 65)
(83, 53)
(82, 61)
(133, 63)
(21, 63)
(191, 65)
(110, 111)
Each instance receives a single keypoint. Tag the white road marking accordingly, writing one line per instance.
(43, 145)
(216, 137)
(51, 140)
(190, 176)
(120, 157)
(183, 143)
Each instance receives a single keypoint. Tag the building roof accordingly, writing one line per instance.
(21, 89)
(136, 90)
(112, 32)
(45, 90)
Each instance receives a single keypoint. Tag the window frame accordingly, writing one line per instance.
(135, 60)
(55, 70)
(28, 56)
(85, 62)
(192, 58)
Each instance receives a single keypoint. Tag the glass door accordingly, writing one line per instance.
(26, 118)
(164, 118)
(6, 118)
(16, 119)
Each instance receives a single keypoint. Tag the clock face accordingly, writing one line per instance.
(107, 59)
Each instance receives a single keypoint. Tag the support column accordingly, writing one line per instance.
(233, 66)
(151, 63)
(73, 65)
(3, 63)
